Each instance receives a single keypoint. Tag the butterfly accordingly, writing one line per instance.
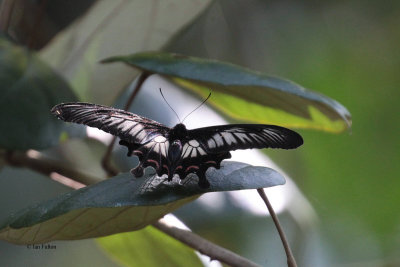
(177, 150)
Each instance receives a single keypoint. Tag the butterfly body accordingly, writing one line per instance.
(177, 150)
(178, 156)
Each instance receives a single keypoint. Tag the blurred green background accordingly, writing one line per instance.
(349, 51)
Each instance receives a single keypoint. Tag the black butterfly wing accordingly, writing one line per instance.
(225, 138)
(144, 137)
(201, 148)
(207, 147)
(128, 126)
(196, 159)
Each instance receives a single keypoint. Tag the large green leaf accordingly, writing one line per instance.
(29, 89)
(123, 203)
(138, 249)
(111, 27)
(245, 94)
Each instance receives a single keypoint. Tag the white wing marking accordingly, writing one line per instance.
(135, 129)
(257, 137)
(125, 126)
(160, 139)
(185, 146)
(157, 148)
(194, 143)
(229, 138)
(211, 143)
(242, 137)
(201, 151)
(141, 135)
(165, 147)
(218, 139)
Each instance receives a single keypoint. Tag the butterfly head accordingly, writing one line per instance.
(179, 131)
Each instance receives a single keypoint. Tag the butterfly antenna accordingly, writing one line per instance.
(197, 107)
(169, 105)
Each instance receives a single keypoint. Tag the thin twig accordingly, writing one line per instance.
(6, 11)
(204, 246)
(105, 162)
(34, 160)
(36, 25)
(290, 258)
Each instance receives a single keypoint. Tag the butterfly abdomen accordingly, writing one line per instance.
(174, 156)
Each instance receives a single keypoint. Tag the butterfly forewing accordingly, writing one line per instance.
(128, 126)
(226, 138)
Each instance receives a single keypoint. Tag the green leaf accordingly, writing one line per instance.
(244, 94)
(138, 249)
(111, 27)
(29, 89)
(124, 203)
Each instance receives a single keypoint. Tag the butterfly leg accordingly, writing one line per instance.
(203, 182)
(170, 176)
(138, 171)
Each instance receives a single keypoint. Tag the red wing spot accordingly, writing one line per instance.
(191, 167)
(177, 168)
(155, 163)
(210, 162)
(137, 152)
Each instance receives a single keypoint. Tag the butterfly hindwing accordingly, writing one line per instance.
(153, 153)
(195, 159)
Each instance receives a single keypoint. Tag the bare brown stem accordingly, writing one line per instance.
(36, 26)
(291, 262)
(105, 162)
(204, 246)
(6, 10)
(34, 160)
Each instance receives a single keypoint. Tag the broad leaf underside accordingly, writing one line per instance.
(124, 203)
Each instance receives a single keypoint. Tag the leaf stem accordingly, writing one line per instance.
(291, 262)
(105, 162)
(204, 246)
